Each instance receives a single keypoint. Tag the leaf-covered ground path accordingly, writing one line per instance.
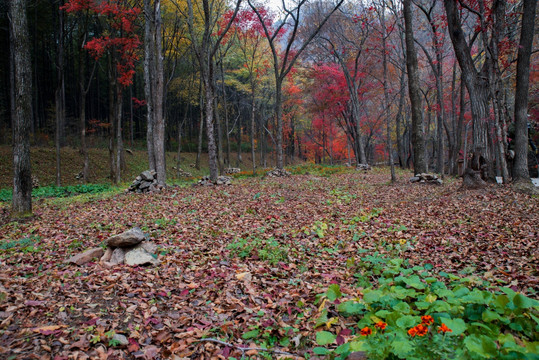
(206, 287)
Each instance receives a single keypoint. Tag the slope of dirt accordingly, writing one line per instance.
(311, 231)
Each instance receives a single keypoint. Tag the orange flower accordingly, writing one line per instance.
(427, 320)
(380, 325)
(422, 330)
(366, 331)
(419, 330)
(444, 328)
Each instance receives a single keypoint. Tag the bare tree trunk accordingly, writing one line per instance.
(149, 59)
(201, 129)
(386, 97)
(119, 140)
(239, 158)
(59, 98)
(252, 132)
(207, 74)
(520, 167)
(158, 104)
(418, 142)
(21, 205)
(478, 89)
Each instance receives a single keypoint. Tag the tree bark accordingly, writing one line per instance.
(520, 166)
(386, 96)
(478, 90)
(59, 98)
(22, 116)
(418, 141)
(158, 93)
(149, 59)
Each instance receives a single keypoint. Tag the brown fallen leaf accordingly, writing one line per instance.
(46, 330)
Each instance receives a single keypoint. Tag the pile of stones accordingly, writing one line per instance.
(426, 179)
(129, 247)
(278, 173)
(363, 167)
(145, 182)
(230, 171)
(221, 180)
(182, 173)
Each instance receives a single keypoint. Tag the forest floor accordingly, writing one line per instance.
(246, 264)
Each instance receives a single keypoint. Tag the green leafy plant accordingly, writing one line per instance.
(411, 314)
(266, 249)
(25, 245)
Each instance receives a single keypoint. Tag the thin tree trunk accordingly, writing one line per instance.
(200, 130)
(520, 166)
(252, 132)
(418, 141)
(59, 98)
(21, 205)
(386, 98)
(239, 158)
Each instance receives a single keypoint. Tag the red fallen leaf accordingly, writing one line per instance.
(184, 292)
(34, 302)
(226, 352)
(133, 345)
(150, 352)
(91, 321)
(82, 343)
(345, 332)
(340, 340)
(47, 330)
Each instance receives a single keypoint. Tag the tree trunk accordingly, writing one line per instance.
(59, 98)
(158, 93)
(239, 159)
(386, 98)
(252, 132)
(478, 89)
(22, 116)
(200, 129)
(520, 166)
(119, 140)
(208, 80)
(418, 141)
(279, 115)
(148, 81)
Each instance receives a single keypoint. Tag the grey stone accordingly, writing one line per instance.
(148, 246)
(107, 255)
(139, 256)
(118, 257)
(87, 256)
(147, 175)
(145, 184)
(127, 238)
(414, 179)
(120, 339)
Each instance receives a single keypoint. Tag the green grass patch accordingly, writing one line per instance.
(265, 249)
(59, 191)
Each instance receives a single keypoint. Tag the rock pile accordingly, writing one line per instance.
(183, 173)
(363, 167)
(278, 173)
(230, 171)
(35, 182)
(426, 178)
(128, 248)
(221, 180)
(145, 182)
